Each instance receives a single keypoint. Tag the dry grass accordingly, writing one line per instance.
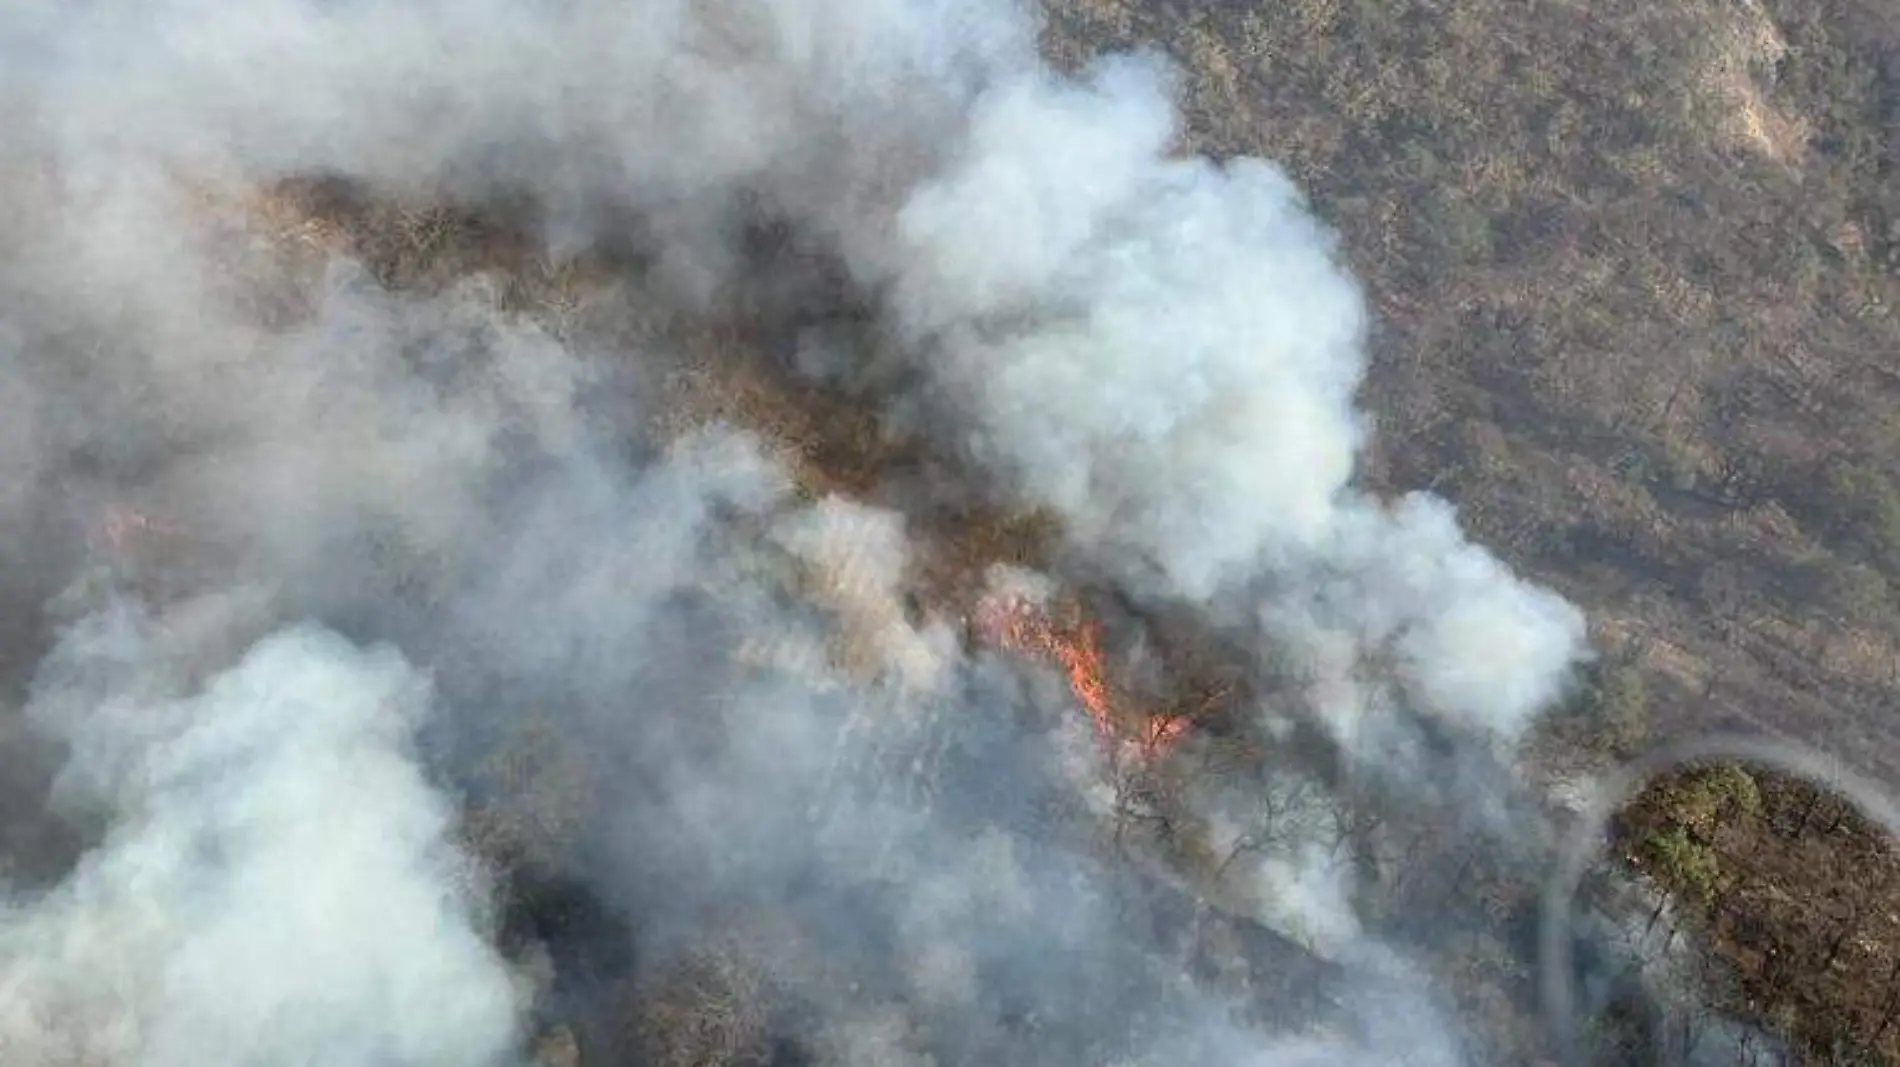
(1747, 48)
(543, 795)
(557, 1048)
(708, 1010)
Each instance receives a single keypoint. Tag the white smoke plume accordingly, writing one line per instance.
(278, 885)
(1161, 349)
(1022, 274)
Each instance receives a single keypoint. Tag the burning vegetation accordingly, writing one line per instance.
(1066, 638)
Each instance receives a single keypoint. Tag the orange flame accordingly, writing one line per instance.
(1013, 622)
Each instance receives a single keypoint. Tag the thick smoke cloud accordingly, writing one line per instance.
(229, 472)
(1162, 350)
(277, 885)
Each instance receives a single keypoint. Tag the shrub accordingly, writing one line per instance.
(1685, 866)
(1615, 707)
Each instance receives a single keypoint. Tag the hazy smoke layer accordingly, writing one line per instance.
(761, 729)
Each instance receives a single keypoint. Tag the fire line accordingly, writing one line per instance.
(1013, 622)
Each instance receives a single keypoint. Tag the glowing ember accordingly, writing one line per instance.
(1014, 622)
